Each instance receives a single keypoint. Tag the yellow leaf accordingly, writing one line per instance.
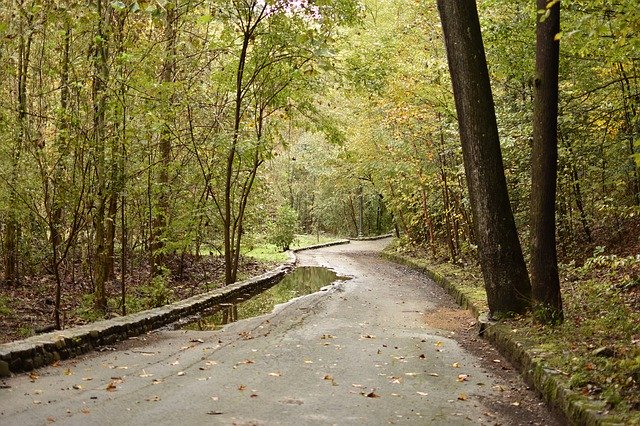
(558, 36)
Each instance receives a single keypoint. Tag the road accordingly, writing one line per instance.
(386, 347)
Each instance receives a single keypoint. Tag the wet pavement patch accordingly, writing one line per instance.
(262, 300)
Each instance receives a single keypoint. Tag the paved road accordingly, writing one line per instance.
(386, 347)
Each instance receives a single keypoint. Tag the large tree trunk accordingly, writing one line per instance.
(503, 267)
(545, 282)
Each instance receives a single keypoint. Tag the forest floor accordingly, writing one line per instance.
(27, 309)
(597, 348)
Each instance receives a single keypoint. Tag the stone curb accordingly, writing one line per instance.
(529, 360)
(321, 245)
(44, 349)
(375, 237)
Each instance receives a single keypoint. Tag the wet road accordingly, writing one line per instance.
(386, 347)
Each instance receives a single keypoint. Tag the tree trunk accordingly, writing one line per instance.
(158, 258)
(12, 228)
(545, 282)
(101, 76)
(503, 267)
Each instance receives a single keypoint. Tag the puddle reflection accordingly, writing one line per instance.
(303, 280)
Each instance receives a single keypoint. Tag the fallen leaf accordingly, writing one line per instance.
(86, 379)
(462, 397)
(276, 374)
(455, 365)
(356, 385)
(37, 402)
(327, 336)
(422, 356)
(371, 394)
(156, 381)
(176, 362)
(254, 395)
(68, 372)
(497, 361)
(145, 374)
(181, 373)
(434, 374)
(85, 410)
(242, 387)
(308, 361)
(154, 398)
(515, 404)
(33, 377)
(214, 413)
(368, 336)
(196, 341)
(51, 419)
(77, 387)
(111, 387)
(422, 393)
(328, 377)
(463, 377)
(438, 344)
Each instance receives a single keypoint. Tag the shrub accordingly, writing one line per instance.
(283, 230)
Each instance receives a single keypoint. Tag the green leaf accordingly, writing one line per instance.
(118, 5)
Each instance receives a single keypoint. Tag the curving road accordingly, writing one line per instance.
(386, 347)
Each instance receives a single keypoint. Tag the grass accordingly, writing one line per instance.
(305, 240)
(5, 306)
(266, 252)
(597, 348)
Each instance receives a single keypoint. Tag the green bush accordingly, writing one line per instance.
(282, 232)
(5, 307)
(157, 293)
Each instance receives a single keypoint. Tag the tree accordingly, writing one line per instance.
(500, 254)
(167, 77)
(100, 95)
(545, 282)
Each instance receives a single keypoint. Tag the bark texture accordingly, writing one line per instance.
(545, 282)
(503, 267)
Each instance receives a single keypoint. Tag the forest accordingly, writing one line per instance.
(147, 147)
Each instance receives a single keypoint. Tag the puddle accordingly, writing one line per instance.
(303, 280)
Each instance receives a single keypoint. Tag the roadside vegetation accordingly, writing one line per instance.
(23, 310)
(596, 350)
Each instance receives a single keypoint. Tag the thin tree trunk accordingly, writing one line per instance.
(158, 259)
(503, 267)
(101, 76)
(545, 282)
(12, 227)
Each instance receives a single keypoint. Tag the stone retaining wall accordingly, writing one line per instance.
(45, 349)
